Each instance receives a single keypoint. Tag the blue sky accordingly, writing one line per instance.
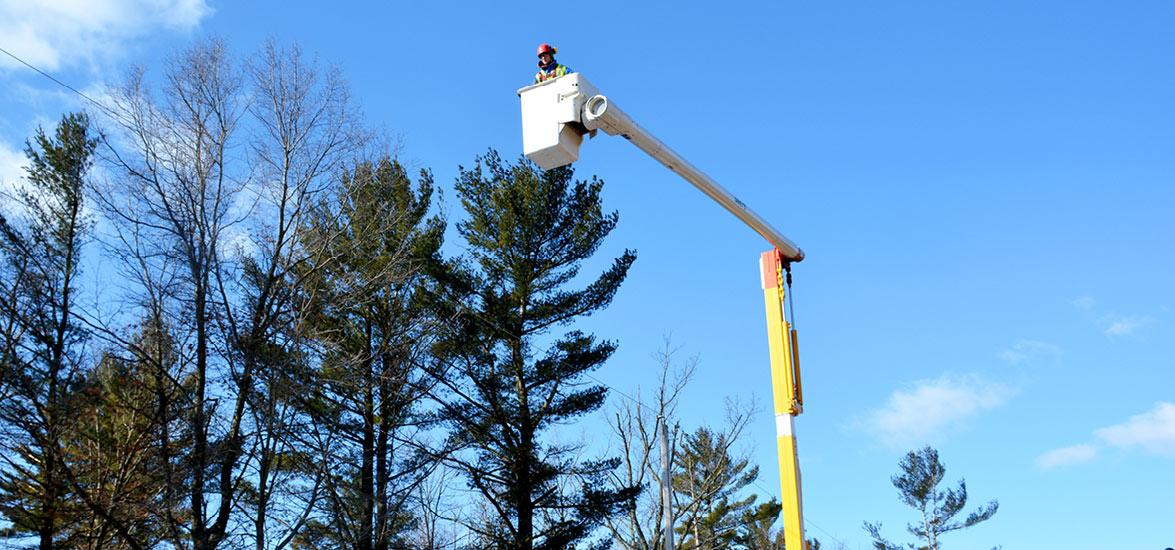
(985, 190)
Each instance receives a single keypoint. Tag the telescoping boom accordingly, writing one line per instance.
(556, 114)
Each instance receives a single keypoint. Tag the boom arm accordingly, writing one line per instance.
(555, 116)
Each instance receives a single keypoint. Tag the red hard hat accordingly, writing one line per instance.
(546, 48)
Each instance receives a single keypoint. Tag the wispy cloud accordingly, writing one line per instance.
(1025, 350)
(54, 33)
(1124, 325)
(1152, 431)
(1073, 454)
(1112, 324)
(931, 409)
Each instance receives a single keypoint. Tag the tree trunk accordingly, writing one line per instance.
(48, 514)
(524, 488)
(262, 498)
(383, 455)
(200, 435)
(366, 483)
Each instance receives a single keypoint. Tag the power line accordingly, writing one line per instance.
(807, 521)
(841, 542)
(96, 103)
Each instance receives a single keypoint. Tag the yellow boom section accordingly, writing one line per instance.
(787, 395)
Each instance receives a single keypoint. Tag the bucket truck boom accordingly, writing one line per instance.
(555, 116)
(557, 113)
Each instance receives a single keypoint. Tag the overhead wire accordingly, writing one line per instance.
(81, 94)
(807, 521)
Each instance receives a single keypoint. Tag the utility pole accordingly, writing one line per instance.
(666, 488)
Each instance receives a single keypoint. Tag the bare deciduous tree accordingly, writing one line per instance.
(304, 131)
(178, 185)
(637, 428)
(213, 179)
(707, 475)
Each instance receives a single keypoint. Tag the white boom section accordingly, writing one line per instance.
(556, 114)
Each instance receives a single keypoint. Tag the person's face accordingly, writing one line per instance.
(546, 59)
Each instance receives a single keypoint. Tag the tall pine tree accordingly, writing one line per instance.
(372, 250)
(40, 339)
(712, 478)
(509, 379)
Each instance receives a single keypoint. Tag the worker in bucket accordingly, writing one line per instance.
(548, 67)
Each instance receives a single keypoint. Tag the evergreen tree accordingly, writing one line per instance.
(917, 483)
(375, 248)
(510, 377)
(123, 424)
(40, 340)
(756, 531)
(710, 478)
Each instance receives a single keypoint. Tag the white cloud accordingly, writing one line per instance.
(52, 33)
(1153, 431)
(1073, 454)
(1125, 325)
(931, 409)
(1029, 349)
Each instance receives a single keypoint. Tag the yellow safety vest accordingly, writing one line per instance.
(543, 76)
